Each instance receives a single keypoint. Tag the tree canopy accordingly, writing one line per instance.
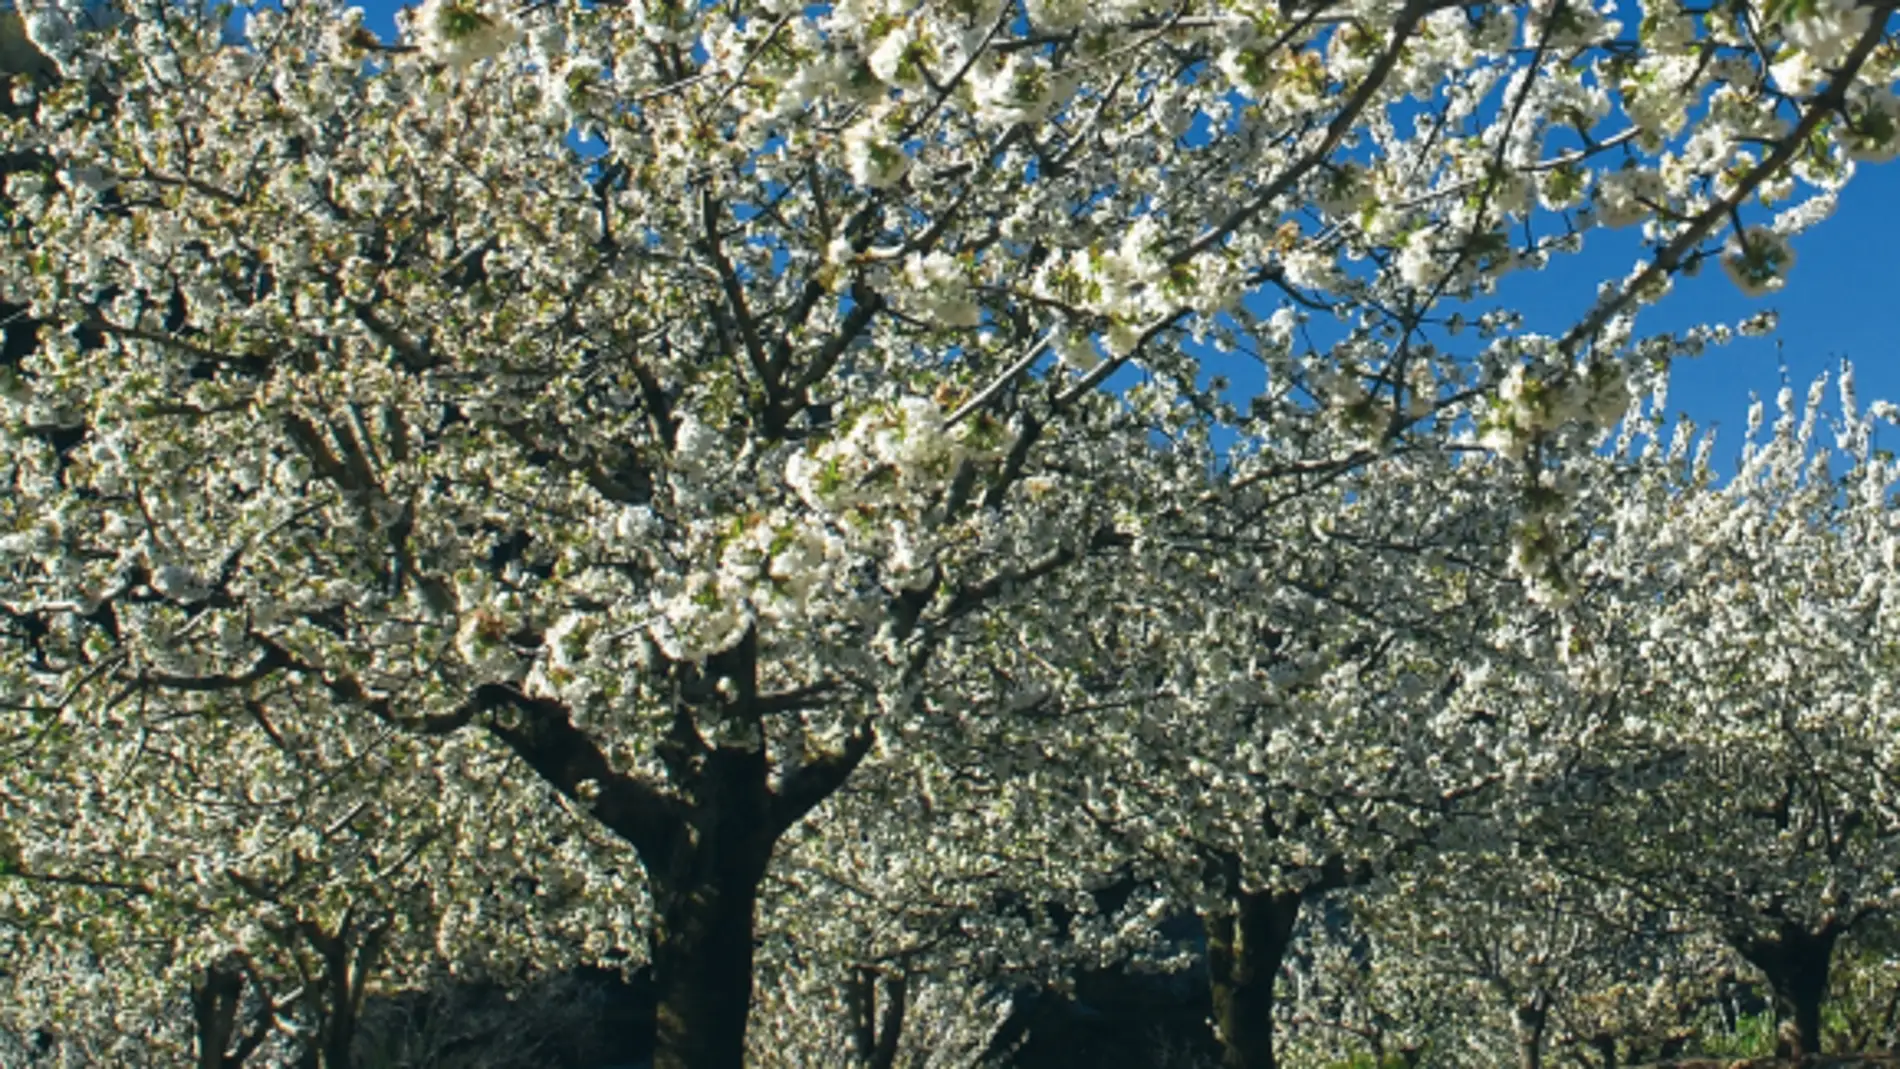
(910, 493)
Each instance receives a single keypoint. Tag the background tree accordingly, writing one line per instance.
(245, 887)
(1743, 631)
(1485, 958)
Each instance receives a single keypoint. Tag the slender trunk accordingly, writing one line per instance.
(347, 958)
(876, 1028)
(1531, 1018)
(337, 1034)
(215, 1000)
(1796, 961)
(1245, 947)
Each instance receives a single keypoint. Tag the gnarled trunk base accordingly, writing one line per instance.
(1796, 961)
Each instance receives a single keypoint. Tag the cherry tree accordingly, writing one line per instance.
(1474, 958)
(1285, 707)
(1327, 721)
(671, 468)
(967, 864)
(860, 530)
(240, 882)
(1743, 769)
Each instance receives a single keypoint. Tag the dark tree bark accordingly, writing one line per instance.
(335, 965)
(1531, 1018)
(349, 956)
(877, 1026)
(1605, 1046)
(217, 998)
(1247, 944)
(1796, 959)
(706, 888)
(1245, 948)
(702, 964)
(704, 845)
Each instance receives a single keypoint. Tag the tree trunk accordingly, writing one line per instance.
(1531, 1017)
(346, 959)
(704, 841)
(702, 967)
(704, 851)
(1800, 995)
(215, 1000)
(876, 1029)
(1796, 961)
(706, 891)
(1245, 947)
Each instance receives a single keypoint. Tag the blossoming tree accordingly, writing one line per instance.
(1479, 958)
(671, 467)
(1328, 723)
(224, 880)
(1745, 635)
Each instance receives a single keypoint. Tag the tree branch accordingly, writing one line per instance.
(1672, 255)
(811, 783)
(1336, 131)
(566, 758)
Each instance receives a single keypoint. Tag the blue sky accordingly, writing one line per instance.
(1842, 300)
